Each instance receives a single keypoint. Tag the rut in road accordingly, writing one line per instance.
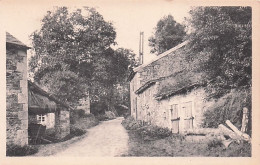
(109, 138)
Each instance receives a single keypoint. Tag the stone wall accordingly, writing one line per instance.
(62, 123)
(145, 107)
(16, 96)
(196, 97)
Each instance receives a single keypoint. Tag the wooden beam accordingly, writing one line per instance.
(239, 133)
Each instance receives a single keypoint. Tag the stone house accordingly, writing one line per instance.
(17, 101)
(16, 92)
(167, 92)
(48, 111)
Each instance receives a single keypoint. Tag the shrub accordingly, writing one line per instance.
(15, 150)
(229, 107)
(153, 132)
(214, 143)
(147, 132)
(243, 149)
(131, 124)
(76, 131)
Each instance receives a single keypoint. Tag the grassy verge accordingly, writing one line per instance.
(176, 145)
(15, 150)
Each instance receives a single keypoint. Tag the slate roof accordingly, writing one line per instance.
(12, 40)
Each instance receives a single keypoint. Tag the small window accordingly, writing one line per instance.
(41, 118)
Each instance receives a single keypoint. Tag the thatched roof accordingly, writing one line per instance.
(179, 83)
(12, 40)
(40, 101)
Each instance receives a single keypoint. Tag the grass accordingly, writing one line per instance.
(152, 141)
(15, 150)
(177, 146)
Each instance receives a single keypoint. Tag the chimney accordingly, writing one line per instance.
(141, 48)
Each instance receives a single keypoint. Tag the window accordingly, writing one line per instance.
(41, 118)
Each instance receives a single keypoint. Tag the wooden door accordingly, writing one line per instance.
(188, 118)
(175, 118)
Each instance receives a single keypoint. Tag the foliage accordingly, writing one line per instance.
(73, 55)
(79, 119)
(214, 143)
(74, 131)
(224, 35)
(64, 47)
(229, 107)
(131, 124)
(168, 33)
(152, 132)
(147, 132)
(15, 150)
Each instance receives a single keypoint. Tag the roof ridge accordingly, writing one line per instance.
(12, 40)
(161, 55)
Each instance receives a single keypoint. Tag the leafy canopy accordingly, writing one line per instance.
(221, 39)
(65, 47)
(168, 33)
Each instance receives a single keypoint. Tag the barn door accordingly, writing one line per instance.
(175, 118)
(188, 118)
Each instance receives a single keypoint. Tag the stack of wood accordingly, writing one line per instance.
(225, 134)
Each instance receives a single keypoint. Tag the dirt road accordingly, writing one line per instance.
(109, 138)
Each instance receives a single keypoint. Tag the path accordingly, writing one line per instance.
(109, 138)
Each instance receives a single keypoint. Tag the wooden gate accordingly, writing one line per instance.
(188, 118)
(175, 118)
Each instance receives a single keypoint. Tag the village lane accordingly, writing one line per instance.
(109, 138)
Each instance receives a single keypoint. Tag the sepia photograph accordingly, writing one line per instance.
(127, 79)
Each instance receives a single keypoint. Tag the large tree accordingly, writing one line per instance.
(220, 45)
(168, 33)
(73, 55)
(221, 39)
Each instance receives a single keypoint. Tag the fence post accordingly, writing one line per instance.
(244, 120)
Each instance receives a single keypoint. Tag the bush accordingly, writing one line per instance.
(229, 107)
(147, 132)
(214, 143)
(107, 116)
(131, 124)
(76, 131)
(153, 132)
(243, 149)
(15, 150)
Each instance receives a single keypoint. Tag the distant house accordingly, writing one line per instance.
(167, 93)
(48, 111)
(84, 104)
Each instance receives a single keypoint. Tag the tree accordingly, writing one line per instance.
(224, 35)
(111, 70)
(220, 41)
(73, 55)
(65, 47)
(168, 33)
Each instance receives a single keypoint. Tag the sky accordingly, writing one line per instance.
(129, 18)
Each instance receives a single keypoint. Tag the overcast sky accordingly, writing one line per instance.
(128, 18)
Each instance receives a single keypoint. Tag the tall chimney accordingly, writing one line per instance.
(141, 48)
